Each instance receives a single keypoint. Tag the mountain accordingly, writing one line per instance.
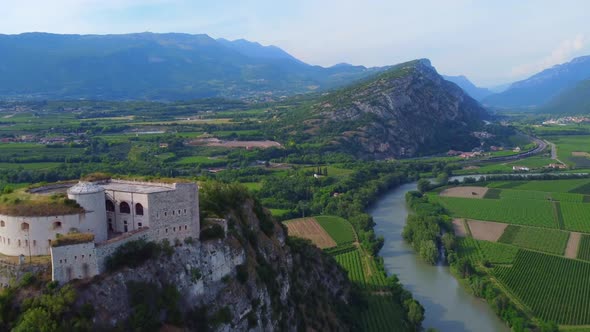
(575, 100)
(474, 91)
(542, 87)
(407, 111)
(152, 66)
(256, 50)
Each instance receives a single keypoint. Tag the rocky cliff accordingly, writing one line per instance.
(408, 111)
(251, 280)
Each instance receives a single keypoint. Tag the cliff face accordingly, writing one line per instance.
(249, 280)
(409, 110)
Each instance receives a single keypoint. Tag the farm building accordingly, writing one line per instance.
(80, 232)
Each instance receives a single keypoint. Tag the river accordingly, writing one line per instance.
(449, 307)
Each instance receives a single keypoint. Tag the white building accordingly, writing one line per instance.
(114, 212)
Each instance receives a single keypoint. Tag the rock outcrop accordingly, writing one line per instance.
(250, 280)
(408, 111)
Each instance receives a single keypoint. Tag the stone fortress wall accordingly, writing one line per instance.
(116, 212)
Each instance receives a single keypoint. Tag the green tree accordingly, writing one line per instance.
(428, 251)
(415, 312)
(449, 241)
(423, 185)
(36, 320)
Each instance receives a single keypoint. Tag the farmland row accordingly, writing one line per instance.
(554, 288)
(546, 240)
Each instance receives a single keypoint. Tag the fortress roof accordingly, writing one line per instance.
(83, 187)
(141, 188)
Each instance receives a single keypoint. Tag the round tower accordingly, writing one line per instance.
(92, 198)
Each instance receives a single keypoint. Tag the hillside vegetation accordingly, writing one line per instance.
(407, 111)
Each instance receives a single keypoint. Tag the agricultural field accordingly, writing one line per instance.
(576, 216)
(540, 195)
(547, 240)
(568, 145)
(554, 288)
(564, 186)
(339, 229)
(584, 248)
(309, 228)
(383, 316)
(497, 253)
(513, 211)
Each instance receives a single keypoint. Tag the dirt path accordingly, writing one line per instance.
(571, 251)
(486, 230)
(459, 227)
(465, 192)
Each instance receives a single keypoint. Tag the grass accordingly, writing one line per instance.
(202, 160)
(512, 211)
(22, 203)
(72, 238)
(540, 195)
(279, 212)
(30, 166)
(546, 240)
(338, 228)
(252, 186)
(554, 288)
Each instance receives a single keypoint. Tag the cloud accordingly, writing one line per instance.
(561, 54)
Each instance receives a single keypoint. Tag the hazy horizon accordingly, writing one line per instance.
(491, 44)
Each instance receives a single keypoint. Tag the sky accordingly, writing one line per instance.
(491, 42)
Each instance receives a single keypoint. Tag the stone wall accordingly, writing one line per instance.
(33, 235)
(75, 261)
(106, 249)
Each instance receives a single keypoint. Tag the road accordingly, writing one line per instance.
(541, 145)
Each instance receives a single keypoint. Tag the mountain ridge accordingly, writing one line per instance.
(540, 88)
(477, 93)
(150, 66)
(398, 113)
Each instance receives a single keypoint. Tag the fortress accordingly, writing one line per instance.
(108, 214)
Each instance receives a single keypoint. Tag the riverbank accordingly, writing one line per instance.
(448, 306)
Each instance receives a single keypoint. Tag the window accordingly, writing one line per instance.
(19, 242)
(110, 206)
(165, 214)
(184, 211)
(139, 209)
(24, 226)
(26, 243)
(139, 224)
(2, 224)
(185, 227)
(174, 229)
(57, 225)
(124, 208)
(34, 243)
(172, 212)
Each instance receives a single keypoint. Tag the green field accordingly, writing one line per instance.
(497, 253)
(351, 261)
(383, 315)
(584, 248)
(540, 195)
(339, 229)
(540, 239)
(202, 160)
(467, 247)
(554, 288)
(253, 186)
(564, 186)
(513, 211)
(279, 212)
(567, 144)
(576, 216)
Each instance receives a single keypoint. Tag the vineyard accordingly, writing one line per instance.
(564, 186)
(386, 317)
(512, 211)
(497, 253)
(540, 195)
(584, 248)
(576, 216)
(382, 312)
(554, 288)
(547, 240)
